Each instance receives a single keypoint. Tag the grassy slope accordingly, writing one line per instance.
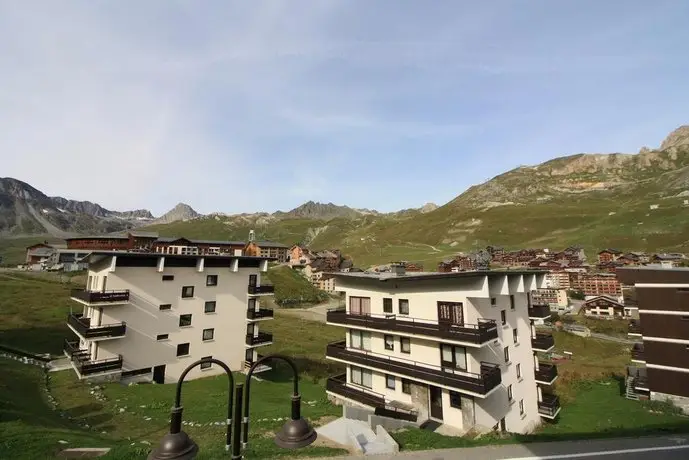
(13, 250)
(291, 288)
(33, 312)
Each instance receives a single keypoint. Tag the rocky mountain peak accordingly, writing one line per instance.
(678, 137)
(428, 207)
(315, 210)
(181, 211)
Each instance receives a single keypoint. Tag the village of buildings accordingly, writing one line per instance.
(467, 345)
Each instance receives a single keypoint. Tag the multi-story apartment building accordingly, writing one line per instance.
(556, 299)
(151, 315)
(456, 348)
(596, 284)
(662, 330)
(557, 279)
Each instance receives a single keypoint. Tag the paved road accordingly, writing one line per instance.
(647, 448)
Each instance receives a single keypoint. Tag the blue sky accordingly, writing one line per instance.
(263, 105)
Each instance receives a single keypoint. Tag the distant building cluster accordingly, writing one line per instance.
(69, 256)
(317, 266)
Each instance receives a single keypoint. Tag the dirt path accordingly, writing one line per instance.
(315, 313)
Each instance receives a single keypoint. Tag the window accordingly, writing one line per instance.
(512, 305)
(187, 291)
(521, 407)
(184, 320)
(493, 301)
(209, 307)
(453, 357)
(507, 354)
(387, 305)
(208, 334)
(360, 339)
(509, 393)
(363, 377)
(455, 400)
(165, 306)
(360, 306)
(405, 344)
(168, 277)
(162, 336)
(183, 349)
(389, 382)
(389, 342)
(206, 365)
(515, 335)
(403, 307)
(406, 387)
(212, 280)
(503, 317)
(519, 371)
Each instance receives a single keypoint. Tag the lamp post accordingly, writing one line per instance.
(296, 432)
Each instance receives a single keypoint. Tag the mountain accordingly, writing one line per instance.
(24, 210)
(627, 201)
(326, 211)
(180, 212)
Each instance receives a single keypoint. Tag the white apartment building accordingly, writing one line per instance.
(151, 315)
(455, 348)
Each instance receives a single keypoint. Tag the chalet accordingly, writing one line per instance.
(668, 260)
(299, 256)
(459, 263)
(608, 255)
(185, 246)
(605, 307)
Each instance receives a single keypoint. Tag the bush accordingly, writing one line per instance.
(576, 295)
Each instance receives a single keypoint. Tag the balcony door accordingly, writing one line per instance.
(253, 279)
(450, 313)
(453, 357)
(360, 306)
(435, 396)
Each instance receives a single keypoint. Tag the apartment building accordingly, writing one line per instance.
(151, 315)
(661, 354)
(556, 299)
(456, 348)
(596, 284)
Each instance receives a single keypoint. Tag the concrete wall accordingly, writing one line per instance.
(680, 401)
(145, 321)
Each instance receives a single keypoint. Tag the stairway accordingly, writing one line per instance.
(629, 390)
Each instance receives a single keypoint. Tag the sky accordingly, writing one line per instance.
(236, 106)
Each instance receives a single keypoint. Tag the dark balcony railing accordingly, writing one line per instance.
(549, 405)
(542, 341)
(638, 352)
(82, 360)
(338, 385)
(483, 332)
(261, 338)
(263, 289)
(546, 372)
(539, 311)
(634, 327)
(83, 326)
(489, 378)
(100, 296)
(261, 313)
(639, 376)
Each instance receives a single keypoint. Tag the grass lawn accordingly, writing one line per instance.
(292, 289)
(33, 312)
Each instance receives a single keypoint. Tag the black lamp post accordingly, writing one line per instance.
(296, 433)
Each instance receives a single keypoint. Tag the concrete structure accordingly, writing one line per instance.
(556, 299)
(150, 315)
(662, 351)
(557, 280)
(456, 348)
(596, 284)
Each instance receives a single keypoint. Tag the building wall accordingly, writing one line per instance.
(145, 320)
(475, 293)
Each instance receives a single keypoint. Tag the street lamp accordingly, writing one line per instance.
(177, 445)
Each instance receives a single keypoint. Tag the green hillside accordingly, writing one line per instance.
(293, 289)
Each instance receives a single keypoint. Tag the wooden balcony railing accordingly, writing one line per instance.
(263, 289)
(549, 405)
(260, 339)
(481, 384)
(542, 342)
(539, 311)
(82, 361)
(100, 296)
(546, 372)
(638, 352)
(83, 326)
(478, 334)
(252, 313)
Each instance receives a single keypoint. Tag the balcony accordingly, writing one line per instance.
(634, 328)
(471, 334)
(83, 327)
(549, 406)
(261, 313)
(263, 289)
(546, 373)
(87, 367)
(542, 341)
(338, 386)
(89, 297)
(539, 312)
(638, 353)
(475, 384)
(263, 338)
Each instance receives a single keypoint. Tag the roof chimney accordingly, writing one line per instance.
(397, 269)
